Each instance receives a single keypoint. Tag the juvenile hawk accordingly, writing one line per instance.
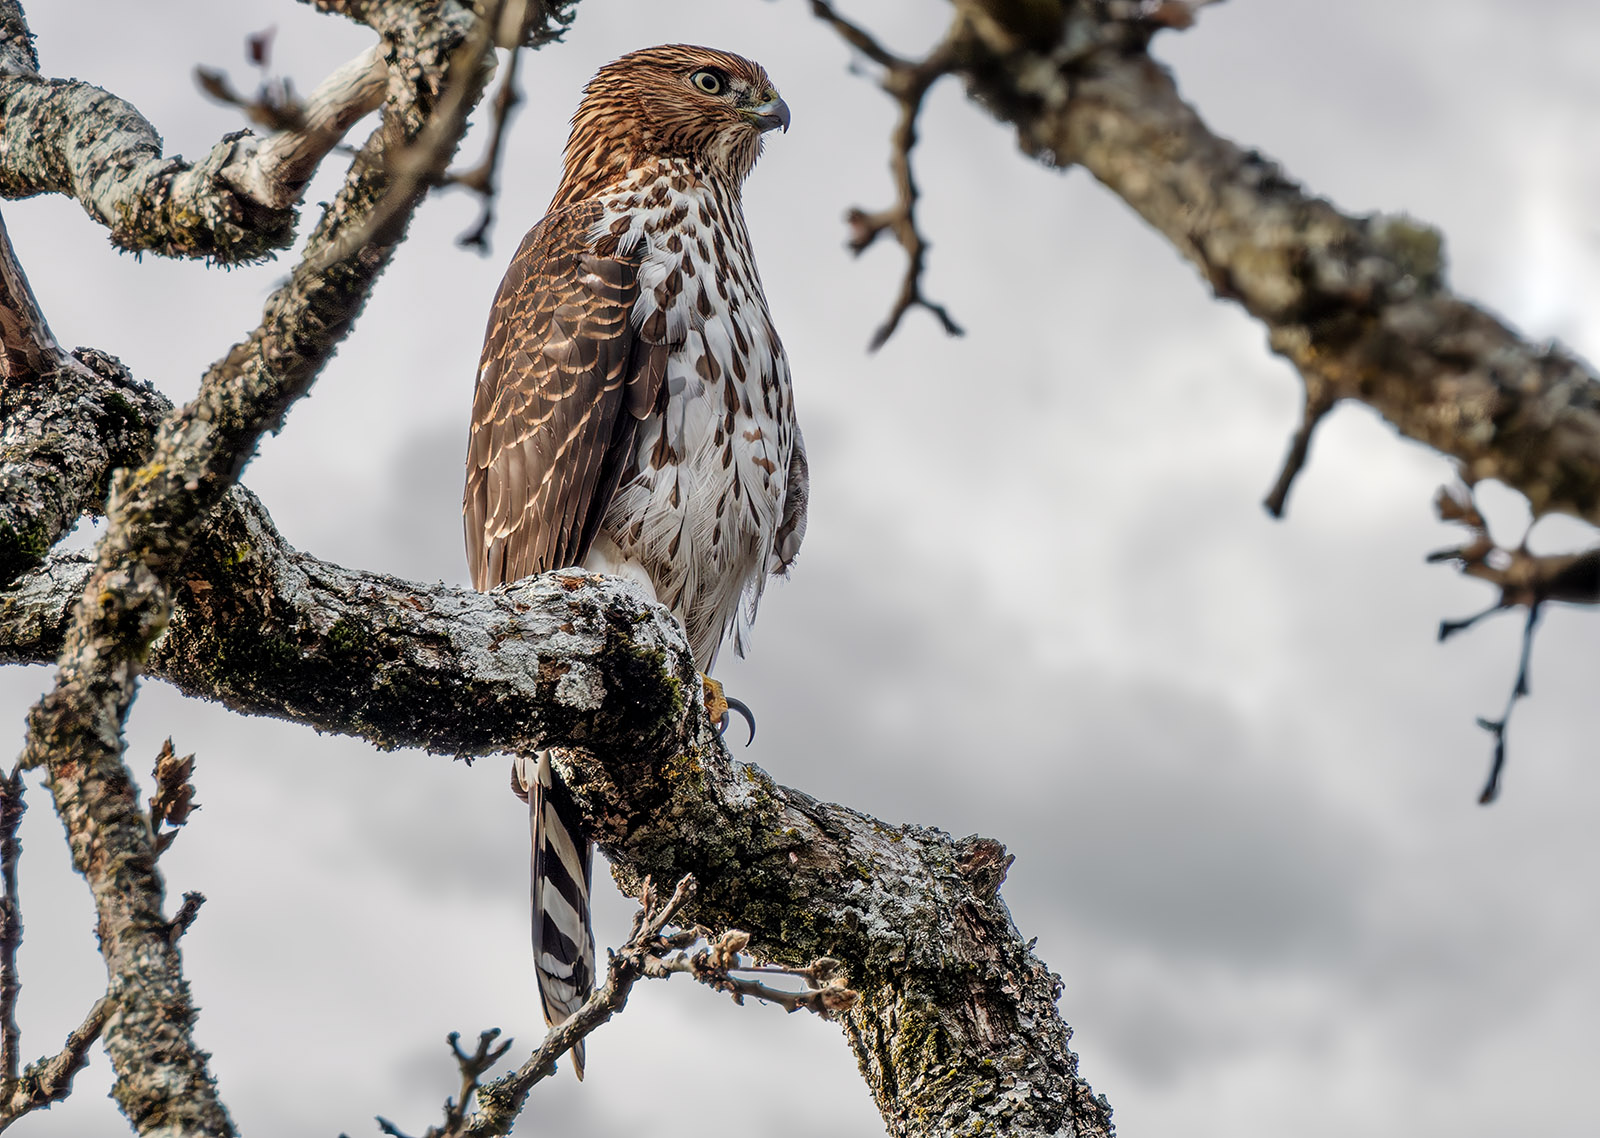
(633, 412)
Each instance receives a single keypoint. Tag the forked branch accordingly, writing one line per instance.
(651, 951)
(1526, 580)
(907, 83)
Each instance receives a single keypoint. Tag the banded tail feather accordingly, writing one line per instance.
(563, 856)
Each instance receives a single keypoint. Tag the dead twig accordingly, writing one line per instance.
(420, 166)
(187, 912)
(50, 1080)
(907, 83)
(480, 178)
(274, 105)
(1524, 579)
(649, 952)
(1316, 409)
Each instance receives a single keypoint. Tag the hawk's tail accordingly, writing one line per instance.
(563, 941)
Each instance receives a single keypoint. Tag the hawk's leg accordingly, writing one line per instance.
(719, 704)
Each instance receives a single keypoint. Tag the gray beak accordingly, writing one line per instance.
(771, 115)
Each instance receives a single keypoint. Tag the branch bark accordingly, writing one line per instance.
(154, 515)
(236, 205)
(66, 422)
(957, 1024)
(1359, 305)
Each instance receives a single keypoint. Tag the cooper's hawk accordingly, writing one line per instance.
(633, 412)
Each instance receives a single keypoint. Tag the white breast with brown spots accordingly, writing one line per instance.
(697, 517)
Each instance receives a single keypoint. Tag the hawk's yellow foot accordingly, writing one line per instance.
(719, 704)
(716, 702)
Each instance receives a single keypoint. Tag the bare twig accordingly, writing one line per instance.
(411, 172)
(907, 83)
(500, 1101)
(1316, 409)
(1524, 579)
(12, 807)
(857, 36)
(187, 912)
(650, 951)
(50, 1080)
(515, 18)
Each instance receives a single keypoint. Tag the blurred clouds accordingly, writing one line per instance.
(1038, 600)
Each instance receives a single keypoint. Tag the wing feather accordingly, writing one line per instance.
(563, 382)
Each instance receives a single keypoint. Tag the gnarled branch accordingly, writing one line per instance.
(153, 517)
(957, 1020)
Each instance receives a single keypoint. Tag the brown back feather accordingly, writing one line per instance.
(563, 382)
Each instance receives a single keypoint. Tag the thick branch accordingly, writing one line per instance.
(67, 137)
(63, 430)
(65, 424)
(153, 516)
(957, 1023)
(571, 658)
(1358, 304)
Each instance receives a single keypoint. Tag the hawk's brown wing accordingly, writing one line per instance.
(564, 380)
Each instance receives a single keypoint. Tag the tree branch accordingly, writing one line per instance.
(275, 171)
(1525, 579)
(957, 1022)
(50, 1080)
(63, 136)
(154, 515)
(1358, 304)
(650, 951)
(66, 422)
(907, 83)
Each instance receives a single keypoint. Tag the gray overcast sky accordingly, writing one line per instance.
(1038, 600)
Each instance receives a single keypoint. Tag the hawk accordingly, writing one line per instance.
(633, 412)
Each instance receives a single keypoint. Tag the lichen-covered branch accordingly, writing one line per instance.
(1358, 304)
(275, 170)
(572, 658)
(50, 1080)
(153, 516)
(957, 1023)
(66, 422)
(236, 205)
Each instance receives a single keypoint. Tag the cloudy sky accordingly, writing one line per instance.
(1038, 601)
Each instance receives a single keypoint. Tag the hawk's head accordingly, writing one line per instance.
(673, 101)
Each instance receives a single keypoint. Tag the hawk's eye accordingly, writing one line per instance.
(709, 81)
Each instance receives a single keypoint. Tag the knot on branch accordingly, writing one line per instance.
(984, 863)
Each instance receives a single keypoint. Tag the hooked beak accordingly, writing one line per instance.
(770, 115)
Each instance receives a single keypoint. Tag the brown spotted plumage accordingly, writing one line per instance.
(633, 412)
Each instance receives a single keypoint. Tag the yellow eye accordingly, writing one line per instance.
(708, 81)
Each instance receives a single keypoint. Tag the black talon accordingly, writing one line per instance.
(743, 709)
